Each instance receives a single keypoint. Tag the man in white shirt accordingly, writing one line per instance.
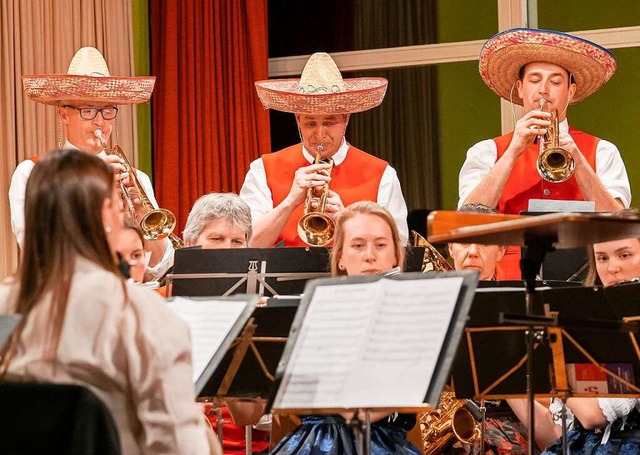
(544, 71)
(276, 185)
(86, 100)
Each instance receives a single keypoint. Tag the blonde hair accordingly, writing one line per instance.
(363, 208)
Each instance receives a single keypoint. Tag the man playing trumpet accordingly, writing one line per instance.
(86, 100)
(544, 71)
(276, 185)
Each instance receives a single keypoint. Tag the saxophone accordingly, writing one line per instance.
(452, 418)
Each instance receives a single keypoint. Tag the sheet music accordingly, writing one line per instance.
(209, 323)
(369, 345)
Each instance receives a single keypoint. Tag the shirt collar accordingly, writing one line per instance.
(564, 126)
(337, 157)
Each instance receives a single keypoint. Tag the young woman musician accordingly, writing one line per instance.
(607, 425)
(130, 245)
(600, 425)
(83, 323)
(366, 243)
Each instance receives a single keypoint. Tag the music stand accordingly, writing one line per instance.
(539, 235)
(348, 332)
(263, 271)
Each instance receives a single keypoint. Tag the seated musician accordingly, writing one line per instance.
(85, 324)
(606, 425)
(503, 431)
(223, 220)
(131, 246)
(473, 256)
(366, 243)
(596, 426)
(218, 220)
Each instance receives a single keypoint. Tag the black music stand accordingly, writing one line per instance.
(248, 367)
(581, 315)
(263, 271)
(539, 235)
(245, 368)
(301, 383)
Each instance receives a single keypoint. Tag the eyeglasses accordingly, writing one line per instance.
(89, 113)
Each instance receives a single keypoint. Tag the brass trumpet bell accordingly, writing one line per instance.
(316, 228)
(555, 164)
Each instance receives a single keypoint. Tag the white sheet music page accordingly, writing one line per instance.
(209, 323)
(369, 345)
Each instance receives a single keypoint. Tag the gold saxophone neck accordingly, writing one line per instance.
(432, 261)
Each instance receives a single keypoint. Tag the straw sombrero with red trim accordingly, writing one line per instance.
(88, 79)
(321, 90)
(504, 54)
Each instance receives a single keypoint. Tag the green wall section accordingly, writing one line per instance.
(141, 48)
(470, 112)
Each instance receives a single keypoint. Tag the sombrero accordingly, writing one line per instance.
(321, 90)
(504, 54)
(87, 79)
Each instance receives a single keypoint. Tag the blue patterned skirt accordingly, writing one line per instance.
(330, 435)
(589, 443)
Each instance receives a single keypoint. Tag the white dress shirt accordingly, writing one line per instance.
(256, 193)
(17, 196)
(609, 168)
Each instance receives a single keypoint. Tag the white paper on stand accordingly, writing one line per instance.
(369, 345)
(209, 323)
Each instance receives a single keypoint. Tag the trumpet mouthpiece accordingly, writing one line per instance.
(98, 133)
(320, 146)
(542, 103)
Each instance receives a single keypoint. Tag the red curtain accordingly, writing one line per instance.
(208, 124)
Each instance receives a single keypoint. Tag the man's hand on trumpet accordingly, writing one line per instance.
(311, 176)
(334, 204)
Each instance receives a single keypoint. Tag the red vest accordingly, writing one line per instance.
(357, 178)
(525, 183)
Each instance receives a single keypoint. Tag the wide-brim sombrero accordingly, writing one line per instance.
(505, 53)
(321, 90)
(87, 80)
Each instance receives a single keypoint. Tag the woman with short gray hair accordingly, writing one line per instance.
(219, 220)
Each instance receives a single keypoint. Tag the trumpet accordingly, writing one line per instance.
(555, 164)
(316, 228)
(156, 224)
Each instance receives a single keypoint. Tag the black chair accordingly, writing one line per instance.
(54, 419)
